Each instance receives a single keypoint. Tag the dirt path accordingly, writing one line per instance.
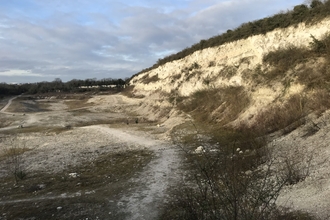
(145, 202)
(3, 110)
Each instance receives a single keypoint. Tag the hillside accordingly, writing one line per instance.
(268, 68)
(274, 85)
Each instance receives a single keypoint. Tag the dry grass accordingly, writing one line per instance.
(88, 195)
(284, 59)
(147, 79)
(128, 91)
(291, 114)
(77, 103)
(13, 151)
(219, 106)
(36, 129)
(228, 72)
(279, 117)
(315, 76)
(27, 104)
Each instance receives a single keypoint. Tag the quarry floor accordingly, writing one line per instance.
(84, 157)
(92, 156)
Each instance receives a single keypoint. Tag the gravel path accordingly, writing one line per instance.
(8, 104)
(146, 201)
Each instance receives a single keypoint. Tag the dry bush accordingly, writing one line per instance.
(316, 77)
(216, 105)
(279, 117)
(319, 101)
(235, 177)
(13, 151)
(228, 72)
(176, 77)
(284, 59)
(292, 113)
(146, 79)
(212, 63)
(128, 91)
(192, 74)
(237, 181)
(294, 162)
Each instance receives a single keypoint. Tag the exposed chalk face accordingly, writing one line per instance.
(237, 56)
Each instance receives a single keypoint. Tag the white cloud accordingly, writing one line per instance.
(14, 72)
(110, 38)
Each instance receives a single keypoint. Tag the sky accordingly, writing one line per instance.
(41, 40)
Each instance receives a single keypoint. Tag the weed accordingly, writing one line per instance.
(284, 59)
(245, 60)
(13, 153)
(207, 81)
(228, 72)
(321, 46)
(212, 63)
(280, 117)
(193, 66)
(193, 74)
(128, 91)
(176, 76)
(146, 79)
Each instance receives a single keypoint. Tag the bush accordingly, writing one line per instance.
(225, 181)
(216, 105)
(147, 79)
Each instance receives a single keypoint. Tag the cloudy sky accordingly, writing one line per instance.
(41, 40)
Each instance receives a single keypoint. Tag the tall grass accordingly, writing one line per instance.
(216, 105)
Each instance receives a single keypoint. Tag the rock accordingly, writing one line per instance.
(41, 186)
(73, 175)
(248, 172)
(199, 150)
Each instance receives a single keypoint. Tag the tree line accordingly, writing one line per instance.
(57, 85)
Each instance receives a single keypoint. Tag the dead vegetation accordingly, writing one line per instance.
(219, 106)
(80, 191)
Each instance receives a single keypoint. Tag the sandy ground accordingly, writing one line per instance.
(63, 137)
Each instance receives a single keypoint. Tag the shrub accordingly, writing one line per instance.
(211, 63)
(284, 59)
(216, 105)
(147, 79)
(227, 183)
(14, 153)
(287, 116)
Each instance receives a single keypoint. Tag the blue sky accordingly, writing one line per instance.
(41, 40)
